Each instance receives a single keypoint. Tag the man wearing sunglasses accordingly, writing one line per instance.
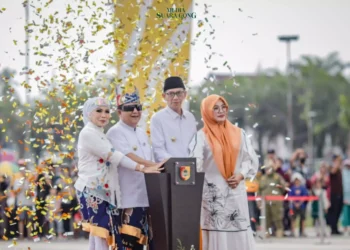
(172, 128)
(132, 141)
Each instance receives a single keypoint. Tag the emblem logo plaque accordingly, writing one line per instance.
(185, 173)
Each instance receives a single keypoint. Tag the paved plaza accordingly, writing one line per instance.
(336, 243)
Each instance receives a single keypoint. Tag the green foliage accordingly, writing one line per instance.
(12, 110)
(318, 85)
(180, 246)
(344, 116)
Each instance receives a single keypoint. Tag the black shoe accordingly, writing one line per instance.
(336, 233)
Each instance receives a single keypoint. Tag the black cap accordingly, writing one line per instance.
(173, 82)
(271, 151)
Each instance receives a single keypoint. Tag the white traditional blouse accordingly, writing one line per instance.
(224, 208)
(97, 165)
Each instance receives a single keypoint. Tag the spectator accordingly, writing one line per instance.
(298, 164)
(322, 175)
(286, 176)
(346, 192)
(336, 184)
(298, 207)
(44, 184)
(271, 155)
(278, 169)
(69, 201)
(252, 186)
(54, 214)
(273, 184)
(4, 183)
(318, 190)
(25, 198)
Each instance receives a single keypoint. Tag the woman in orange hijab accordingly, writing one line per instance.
(225, 154)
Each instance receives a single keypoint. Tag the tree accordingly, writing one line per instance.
(255, 100)
(320, 82)
(344, 116)
(12, 113)
(259, 100)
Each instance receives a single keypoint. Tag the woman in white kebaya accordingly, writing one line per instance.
(97, 185)
(225, 155)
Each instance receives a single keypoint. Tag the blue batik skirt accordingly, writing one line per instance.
(100, 218)
(135, 227)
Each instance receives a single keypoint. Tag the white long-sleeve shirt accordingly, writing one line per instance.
(171, 133)
(97, 164)
(127, 140)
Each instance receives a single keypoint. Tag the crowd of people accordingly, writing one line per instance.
(40, 203)
(294, 178)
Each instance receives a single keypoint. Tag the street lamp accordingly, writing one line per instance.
(290, 128)
(310, 137)
(27, 154)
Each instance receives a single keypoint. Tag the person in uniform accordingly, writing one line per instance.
(172, 128)
(133, 142)
(273, 184)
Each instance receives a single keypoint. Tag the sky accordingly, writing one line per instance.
(246, 33)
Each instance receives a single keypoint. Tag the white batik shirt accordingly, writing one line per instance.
(127, 140)
(171, 133)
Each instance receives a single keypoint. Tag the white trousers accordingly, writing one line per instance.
(97, 243)
(215, 240)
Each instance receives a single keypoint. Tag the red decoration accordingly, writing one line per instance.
(100, 160)
(106, 185)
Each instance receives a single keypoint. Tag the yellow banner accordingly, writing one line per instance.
(152, 40)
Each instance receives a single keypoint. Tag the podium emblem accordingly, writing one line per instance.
(185, 172)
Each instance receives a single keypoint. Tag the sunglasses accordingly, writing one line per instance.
(130, 108)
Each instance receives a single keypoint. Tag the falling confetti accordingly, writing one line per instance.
(64, 44)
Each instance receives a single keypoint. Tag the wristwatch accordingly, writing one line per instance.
(142, 167)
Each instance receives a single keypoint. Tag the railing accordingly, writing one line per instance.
(264, 199)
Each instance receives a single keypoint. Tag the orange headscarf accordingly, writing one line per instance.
(224, 139)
